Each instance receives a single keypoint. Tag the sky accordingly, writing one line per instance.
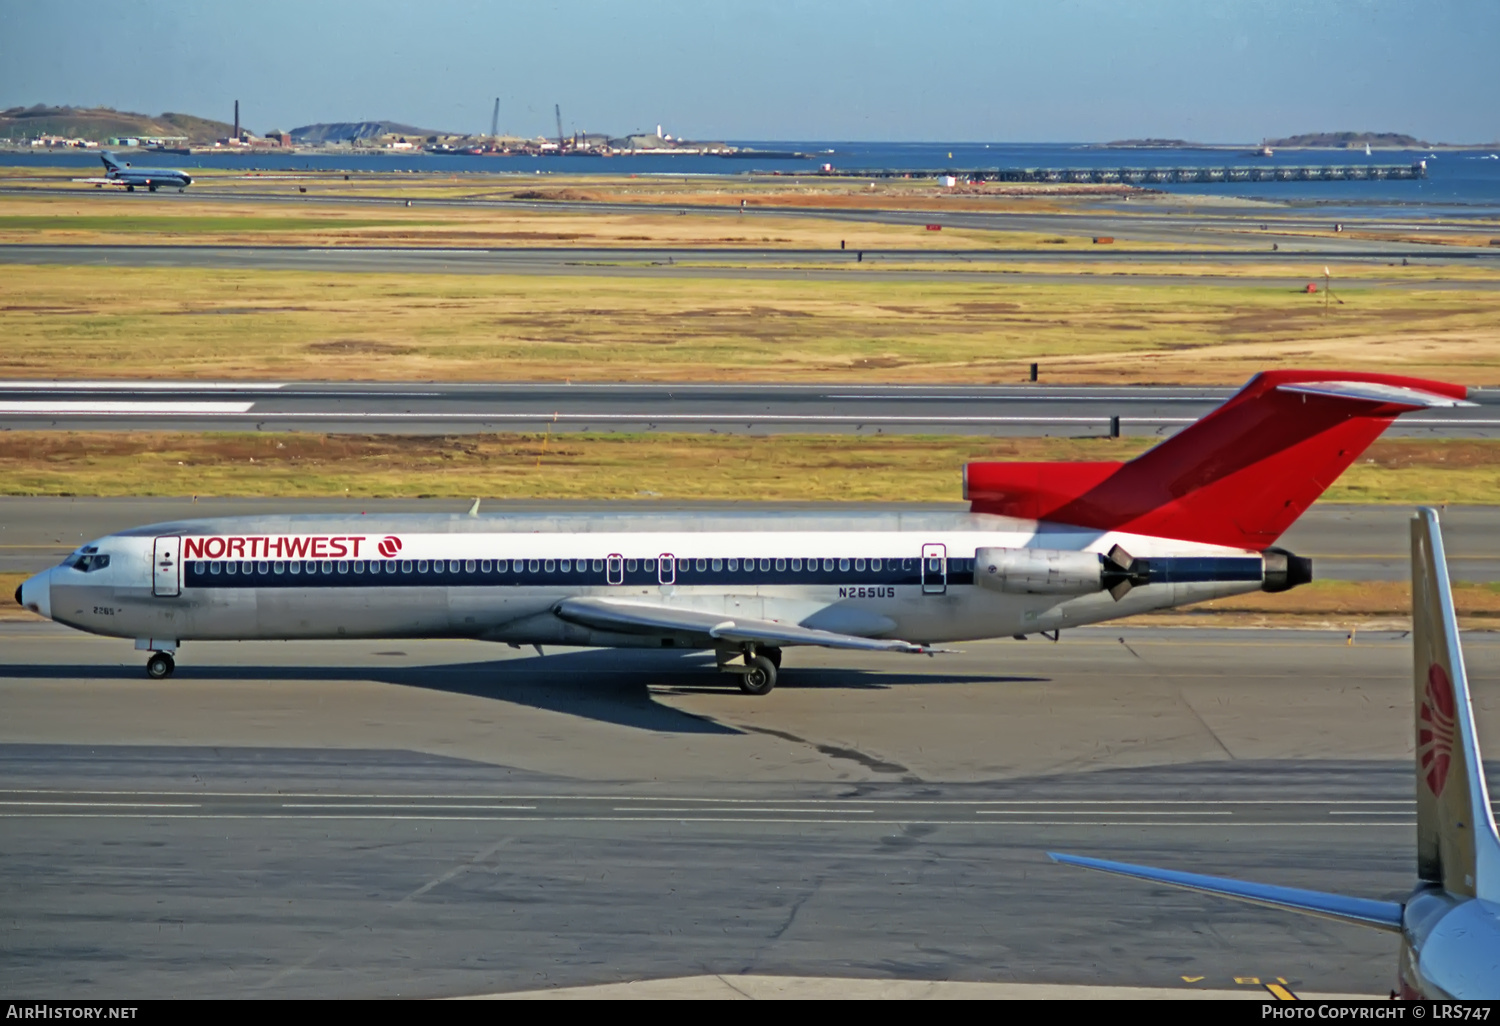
(940, 70)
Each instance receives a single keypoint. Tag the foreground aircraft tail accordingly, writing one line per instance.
(110, 162)
(1238, 477)
(1457, 846)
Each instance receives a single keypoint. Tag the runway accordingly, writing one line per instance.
(1133, 266)
(439, 819)
(455, 408)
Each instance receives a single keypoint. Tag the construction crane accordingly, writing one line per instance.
(557, 109)
(495, 121)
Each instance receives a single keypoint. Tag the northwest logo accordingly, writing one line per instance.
(1435, 729)
(389, 546)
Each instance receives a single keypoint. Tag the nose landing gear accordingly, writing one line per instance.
(160, 666)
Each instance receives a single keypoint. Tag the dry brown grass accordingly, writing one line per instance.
(93, 218)
(283, 325)
(620, 466)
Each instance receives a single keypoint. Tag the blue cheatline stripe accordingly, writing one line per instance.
(579, 573)
(639, 572)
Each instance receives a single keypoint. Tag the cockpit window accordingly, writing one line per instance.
(90, 562)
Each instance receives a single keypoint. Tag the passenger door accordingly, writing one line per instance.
(934, 569)
(166, 567)
(666, 569)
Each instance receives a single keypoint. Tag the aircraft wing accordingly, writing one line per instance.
(1383, 915)
(648, 618)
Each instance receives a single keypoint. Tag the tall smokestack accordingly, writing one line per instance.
(236, 119)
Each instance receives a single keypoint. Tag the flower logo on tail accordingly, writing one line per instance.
(1435, 730)
(389, 546)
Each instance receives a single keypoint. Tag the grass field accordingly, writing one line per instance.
(94, 218)
(186, 323)
(901, 468)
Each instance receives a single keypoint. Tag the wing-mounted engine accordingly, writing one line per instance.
(1059, 572)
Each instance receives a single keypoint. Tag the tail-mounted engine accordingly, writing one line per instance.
(1059, 572)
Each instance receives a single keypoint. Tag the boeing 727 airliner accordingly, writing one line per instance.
(117, 172)
(1043, 547)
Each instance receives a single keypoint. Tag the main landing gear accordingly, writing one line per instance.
(757, 668)
(160, 666)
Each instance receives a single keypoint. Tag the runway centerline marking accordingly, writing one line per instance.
(108, 805)
(800, 821)
(749, 810)
(80, 408)
(370, 805)
(681, 799)
(1082, 812)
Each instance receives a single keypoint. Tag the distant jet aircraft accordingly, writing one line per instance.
(1044, 547)
(118, 173)
(1450, 925)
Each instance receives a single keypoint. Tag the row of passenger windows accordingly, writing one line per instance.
(422, 566)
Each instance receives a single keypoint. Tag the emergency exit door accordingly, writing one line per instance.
(934, 569)
(166, 567)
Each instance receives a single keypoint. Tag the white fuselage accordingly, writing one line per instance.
(499, 577)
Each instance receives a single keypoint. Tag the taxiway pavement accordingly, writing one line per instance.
(439, 819)
(1126, 266)
(752, 408)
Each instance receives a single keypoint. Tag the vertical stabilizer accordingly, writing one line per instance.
(1238, 477)
(1457, 846)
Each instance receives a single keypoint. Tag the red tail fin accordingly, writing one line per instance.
(1238, 477)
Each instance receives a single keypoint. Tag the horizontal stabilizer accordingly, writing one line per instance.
(1383, 915)
(649, 618)
(1374, 392)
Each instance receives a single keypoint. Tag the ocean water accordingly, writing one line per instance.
(1465, 182)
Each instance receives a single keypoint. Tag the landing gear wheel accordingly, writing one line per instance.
(161, 665)
(130, 188)
(760, 678)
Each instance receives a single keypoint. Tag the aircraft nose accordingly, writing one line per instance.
(36, 594)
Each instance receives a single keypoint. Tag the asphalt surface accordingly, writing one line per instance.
(1346, 542)
(1133, 266)
(449, 408)
(439, 819)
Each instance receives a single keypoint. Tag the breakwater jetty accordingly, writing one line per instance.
(1155, 175)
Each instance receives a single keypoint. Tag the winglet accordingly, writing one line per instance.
(1457, 845)
(474, 509)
